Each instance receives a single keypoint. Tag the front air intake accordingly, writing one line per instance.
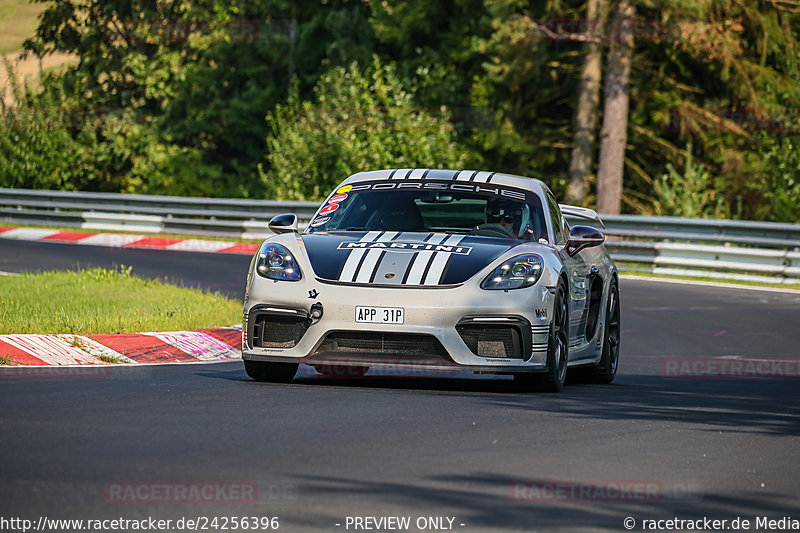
(500, 336)
(271, 329)
(385, 344)
(492, 340)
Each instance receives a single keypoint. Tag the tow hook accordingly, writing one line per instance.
(315, 313)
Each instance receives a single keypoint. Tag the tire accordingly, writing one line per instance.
(557, 350)
(606, 369)
(270, 372)
(342, 371)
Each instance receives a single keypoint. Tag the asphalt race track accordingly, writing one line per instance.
(469, 448)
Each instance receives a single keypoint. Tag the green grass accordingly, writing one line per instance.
(107, 301)
(18, 21)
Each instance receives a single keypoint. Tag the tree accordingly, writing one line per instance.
(586, 109)
(181, 90)
(615, 116)
(198, 77)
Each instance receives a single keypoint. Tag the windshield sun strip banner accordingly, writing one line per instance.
(477, 183)
(457, 181)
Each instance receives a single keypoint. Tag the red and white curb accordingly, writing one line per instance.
(119, 240)
(204, 345)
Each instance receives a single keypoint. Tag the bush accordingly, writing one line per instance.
(39, 146)
(687, 194)
(50, 140)
(781, 157)
(357, 121)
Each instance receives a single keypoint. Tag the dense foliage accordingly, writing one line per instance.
(354, 122)
(280, 99)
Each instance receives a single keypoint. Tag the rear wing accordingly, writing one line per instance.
(581, 212)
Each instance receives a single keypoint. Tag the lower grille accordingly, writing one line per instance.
(487, 340)
(275, 331)
(396, 344)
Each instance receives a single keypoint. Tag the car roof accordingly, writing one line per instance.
(476, 176)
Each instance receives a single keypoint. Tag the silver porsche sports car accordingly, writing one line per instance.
(438, 270)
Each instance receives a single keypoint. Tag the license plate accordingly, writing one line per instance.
(380, 315)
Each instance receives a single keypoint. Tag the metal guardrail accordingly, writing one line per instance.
(764, 252)
(763, 234)
(147, 213)
(720, 249)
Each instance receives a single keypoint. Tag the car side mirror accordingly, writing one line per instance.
(285, 223)
(582, 237)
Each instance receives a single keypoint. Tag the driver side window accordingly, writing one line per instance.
(557, 218)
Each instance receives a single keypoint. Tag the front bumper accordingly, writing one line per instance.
(440, 315)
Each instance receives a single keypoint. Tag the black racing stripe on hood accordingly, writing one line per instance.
(485, 250)
(327, 259)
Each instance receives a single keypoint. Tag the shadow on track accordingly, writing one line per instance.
(769, 407)
(486, 500)
(461, 382)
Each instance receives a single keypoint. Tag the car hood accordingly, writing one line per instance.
(401, 258)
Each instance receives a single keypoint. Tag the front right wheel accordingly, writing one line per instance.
(606, 369)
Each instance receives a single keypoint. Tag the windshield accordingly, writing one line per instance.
(430, 206)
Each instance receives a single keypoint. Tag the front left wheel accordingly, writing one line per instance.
(557, 350)
(270, 372)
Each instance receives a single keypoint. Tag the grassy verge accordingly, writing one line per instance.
(18, 21)
(107, 301)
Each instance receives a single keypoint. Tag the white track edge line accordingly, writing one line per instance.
(785, 290)
(120, 365)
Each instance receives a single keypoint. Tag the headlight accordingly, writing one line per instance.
(276, 262)
(516, 273)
